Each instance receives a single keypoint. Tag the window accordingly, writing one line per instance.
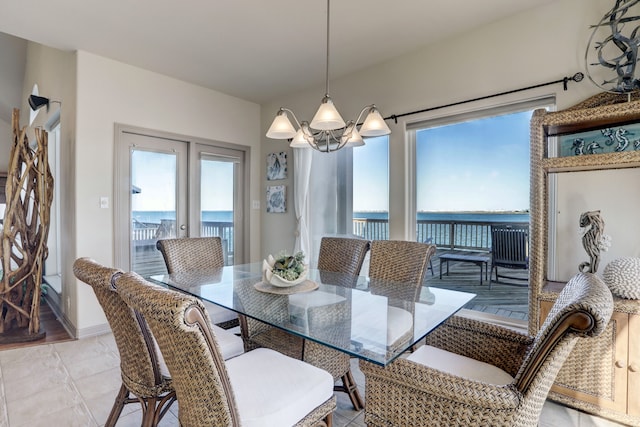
(53, 262)
(371, 178)
(472, 171)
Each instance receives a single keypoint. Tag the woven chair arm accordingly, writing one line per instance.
(412, 380)
(489, 343)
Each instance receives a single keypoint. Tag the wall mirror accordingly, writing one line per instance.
(574, 170)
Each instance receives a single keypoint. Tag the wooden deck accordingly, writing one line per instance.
(509, 298)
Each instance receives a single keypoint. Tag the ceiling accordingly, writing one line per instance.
(256, 50)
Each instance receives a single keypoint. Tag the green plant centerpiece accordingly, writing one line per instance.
(284, 270)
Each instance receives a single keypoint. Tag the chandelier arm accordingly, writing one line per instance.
(295, 119)
(367, 108)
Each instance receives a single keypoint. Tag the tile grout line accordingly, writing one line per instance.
(72, 382)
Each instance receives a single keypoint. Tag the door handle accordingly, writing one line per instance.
(183, 227)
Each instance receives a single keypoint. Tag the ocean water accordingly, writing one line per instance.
(156, 216)
(227, 216)
(455, 216)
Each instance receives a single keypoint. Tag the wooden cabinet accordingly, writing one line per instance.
(602, 374)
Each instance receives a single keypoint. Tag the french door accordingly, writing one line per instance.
(167, 188)
(221, 187)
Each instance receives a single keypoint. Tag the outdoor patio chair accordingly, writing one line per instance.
(476, 373)
(258, 388)
(198, 254)
(340, 255)
(509, 249)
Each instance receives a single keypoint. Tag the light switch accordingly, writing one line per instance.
(104, 202)
(255, 204)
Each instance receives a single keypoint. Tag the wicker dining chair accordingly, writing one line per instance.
(258, 388)
(399, 261)
(198, 254)
(341, 255)
(397, 271)
(475, 373)
(144, 381)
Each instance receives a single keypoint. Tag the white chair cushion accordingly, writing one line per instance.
(230, 344)
(305, 301)
(460, 366)
(299, 304)
(399, 323)
(219, 314)
(272, 389)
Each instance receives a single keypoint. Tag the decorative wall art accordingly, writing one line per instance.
(276, 199)
(611, 139)
(277, 166)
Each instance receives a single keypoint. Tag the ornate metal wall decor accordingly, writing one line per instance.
(612, 51)
(607, 139)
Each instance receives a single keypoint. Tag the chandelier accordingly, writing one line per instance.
(328, 131)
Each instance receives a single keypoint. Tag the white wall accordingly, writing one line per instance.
(13, 51)
(543, 44)
(110, 92)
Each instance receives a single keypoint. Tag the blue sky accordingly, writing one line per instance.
(154, 173)
(479, 165)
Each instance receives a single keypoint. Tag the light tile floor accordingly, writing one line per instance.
(74, 383)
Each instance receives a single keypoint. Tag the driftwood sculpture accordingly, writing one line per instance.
(29, 193)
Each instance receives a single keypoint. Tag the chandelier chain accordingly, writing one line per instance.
(326, 74)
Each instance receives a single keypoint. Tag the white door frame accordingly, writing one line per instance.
(121, 198)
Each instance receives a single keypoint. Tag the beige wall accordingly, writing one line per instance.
(541, 45)
(110, 92)
(54, 71)
(13, 51)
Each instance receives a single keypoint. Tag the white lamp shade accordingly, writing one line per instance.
(298, 140)
(374, 125)
(281, 128)
(327, 117)
(355, 140)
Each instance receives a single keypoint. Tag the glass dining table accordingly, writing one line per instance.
(368, 319)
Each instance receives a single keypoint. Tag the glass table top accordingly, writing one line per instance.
(372, 320)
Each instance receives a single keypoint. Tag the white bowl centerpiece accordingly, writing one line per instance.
(284, 270)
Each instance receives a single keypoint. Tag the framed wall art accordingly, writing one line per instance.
(276, 166)
(276, 199)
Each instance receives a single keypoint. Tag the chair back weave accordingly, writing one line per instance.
(583, 308)
(138, 357)
(397, 261)
(180, 325)
(191, 254)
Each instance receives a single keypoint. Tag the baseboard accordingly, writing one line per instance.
(93, 331)
(53, 301)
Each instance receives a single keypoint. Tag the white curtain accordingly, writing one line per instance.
(302, 171)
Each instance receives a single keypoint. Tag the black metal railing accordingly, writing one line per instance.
(468, 235)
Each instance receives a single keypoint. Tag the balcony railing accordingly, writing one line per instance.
(469, 235)
(145, 234)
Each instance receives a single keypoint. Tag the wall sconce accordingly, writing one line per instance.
(36, 102)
